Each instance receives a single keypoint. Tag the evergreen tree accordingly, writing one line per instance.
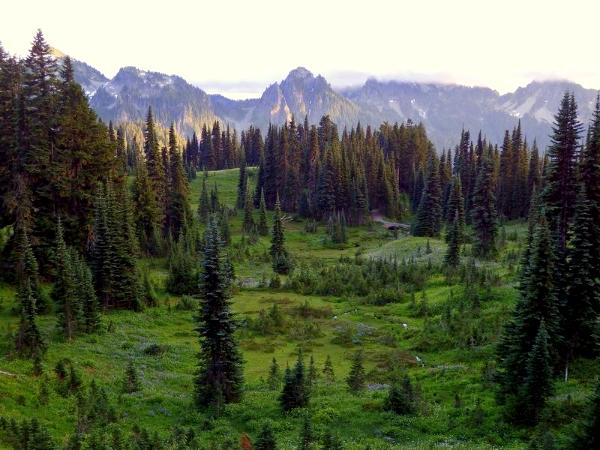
(183, 277)
(582, 306)
(263, 227)
(328, 372)
(560, 189)
(90, 319)
(29, 341)
(219, 377)
(456, 210)
(131, 382)
(306, 435)
(147, 212)
(538, 380)
(587, 436)
(312, 373)
(582, 294)
(203, 205)
(265, 439)
(279, 254)
(274, 375)
(429, 214)
(401, 398)
(536, 303)
(248, 225)
(27, 269)
(64, 293)
(155, 165)
(452, 258)
(484, 212)
(242, 192)
(295, 393)
(356, 377)
(178, 210)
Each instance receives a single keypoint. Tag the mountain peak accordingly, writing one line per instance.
(300, 73)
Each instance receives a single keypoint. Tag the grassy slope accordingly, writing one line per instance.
(166, 400)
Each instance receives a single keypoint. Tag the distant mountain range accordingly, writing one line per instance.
(444, 108)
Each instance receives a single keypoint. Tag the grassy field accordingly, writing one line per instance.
(395, 338)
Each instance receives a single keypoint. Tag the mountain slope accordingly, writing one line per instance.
(444, 109)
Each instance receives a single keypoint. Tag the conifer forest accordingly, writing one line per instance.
(306, 283)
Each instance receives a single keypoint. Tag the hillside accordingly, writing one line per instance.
(402, 335)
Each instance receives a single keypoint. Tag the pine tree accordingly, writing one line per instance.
(203, 205)
(242, 192)
(306, 435)
(27, 269)
(125, 276)
(582, 306)
(263, 227)
(279, 254)
(586, 436)
(452, 258)
(274, 375)
(537, 385)
(155, 165)
(294, 393)
(183, 277)
(356, 377)
(265, 439)
(328, 372)
(131, 382)
(219, 376)
(401, 398)
(248, 225)
(147, 212)
(312, 372)
(64, 293)
(536, 303)
(178, 209)
(560, 189)
(484, 212)
(429, 213)
(29, 341)
(90, 319)
(582, 295)
(456, 210)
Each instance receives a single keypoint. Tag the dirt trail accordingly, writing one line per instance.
(376, 216)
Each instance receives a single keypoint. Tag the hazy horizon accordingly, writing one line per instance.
(432, 41)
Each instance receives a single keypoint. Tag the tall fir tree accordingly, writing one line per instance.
(178, 208)
(537, 302)
(279, 254)
(537, 386)
(560, 191)
(484, 211)
(456, 209)
(219, 378)
(429, 215)
(64, 292)
(29, 341)
(263, 227)
(242, 193)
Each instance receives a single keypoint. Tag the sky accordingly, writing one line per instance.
(237, 48)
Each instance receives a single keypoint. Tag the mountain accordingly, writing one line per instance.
(445, 109)
(89, 78)
(127, 96)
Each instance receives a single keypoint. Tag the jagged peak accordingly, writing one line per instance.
(299, 73)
